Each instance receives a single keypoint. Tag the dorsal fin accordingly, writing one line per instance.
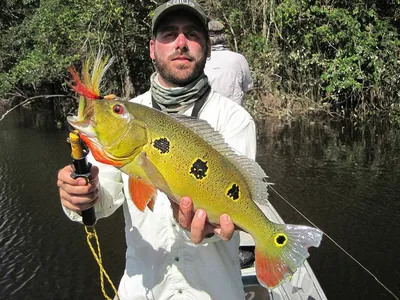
(254, 175)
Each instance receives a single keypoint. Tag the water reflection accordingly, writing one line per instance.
(345, 178)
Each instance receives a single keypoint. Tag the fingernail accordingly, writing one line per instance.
(81, 182)
(200, 214)
(226, 219)
(185, 202)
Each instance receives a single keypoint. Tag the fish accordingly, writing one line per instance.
(185, 156)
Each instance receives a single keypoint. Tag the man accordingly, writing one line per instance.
(228, 72)
(164, 260)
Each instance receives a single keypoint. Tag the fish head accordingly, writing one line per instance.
(111, 131)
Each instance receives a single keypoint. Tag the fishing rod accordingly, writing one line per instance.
(81, 169)
(336, 244)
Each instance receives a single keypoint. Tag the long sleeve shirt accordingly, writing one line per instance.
(229, 74)
(161, 260)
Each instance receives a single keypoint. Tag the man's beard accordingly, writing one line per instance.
(170, 75)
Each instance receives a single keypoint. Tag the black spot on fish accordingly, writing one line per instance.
(199, 169)
(280, 239)
(234, 192)
(162, 145)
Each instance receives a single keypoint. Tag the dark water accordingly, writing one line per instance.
(344, 178)
(43, 255)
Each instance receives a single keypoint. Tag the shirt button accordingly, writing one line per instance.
(177, 258)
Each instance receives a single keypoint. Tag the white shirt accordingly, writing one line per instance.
(161, 261)
(229, 74)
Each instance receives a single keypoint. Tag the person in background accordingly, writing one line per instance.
(228, 72)
(172, 251)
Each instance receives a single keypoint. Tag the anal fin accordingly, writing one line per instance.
(142, 193)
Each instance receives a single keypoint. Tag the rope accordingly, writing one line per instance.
(97, 257)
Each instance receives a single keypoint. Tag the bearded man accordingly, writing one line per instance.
(172, 251)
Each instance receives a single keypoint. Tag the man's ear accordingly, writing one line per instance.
(151, 47)
(208, 48)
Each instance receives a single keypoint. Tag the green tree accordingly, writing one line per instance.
(340, 54)
(56, 34)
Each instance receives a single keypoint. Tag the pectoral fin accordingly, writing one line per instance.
(154, 175)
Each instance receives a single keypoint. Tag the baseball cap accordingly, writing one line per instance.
(175, 5)
(215, 27)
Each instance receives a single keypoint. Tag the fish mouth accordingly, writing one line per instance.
(83, 121)
(84, 126)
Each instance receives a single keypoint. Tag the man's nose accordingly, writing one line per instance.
(181, 41)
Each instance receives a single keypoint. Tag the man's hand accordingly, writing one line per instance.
(197, 223)
(76, 194)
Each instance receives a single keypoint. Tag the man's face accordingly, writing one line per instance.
(179, 49)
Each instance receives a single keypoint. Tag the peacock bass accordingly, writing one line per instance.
(184, 156)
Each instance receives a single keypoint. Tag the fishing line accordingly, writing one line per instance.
(334, 242)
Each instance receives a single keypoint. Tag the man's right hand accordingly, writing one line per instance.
(76, 194)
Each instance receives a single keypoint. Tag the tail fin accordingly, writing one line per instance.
(279, 258)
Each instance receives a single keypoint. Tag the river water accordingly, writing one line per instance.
(344, 178)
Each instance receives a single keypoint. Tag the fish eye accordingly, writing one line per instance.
(118, 109)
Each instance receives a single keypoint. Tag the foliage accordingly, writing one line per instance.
(347, 57)
(338, 54)
(56, 34)
(309, 54)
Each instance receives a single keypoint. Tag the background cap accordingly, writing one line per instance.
(175, 5)
(216, 26)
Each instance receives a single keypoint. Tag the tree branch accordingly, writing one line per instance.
(32, 99)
